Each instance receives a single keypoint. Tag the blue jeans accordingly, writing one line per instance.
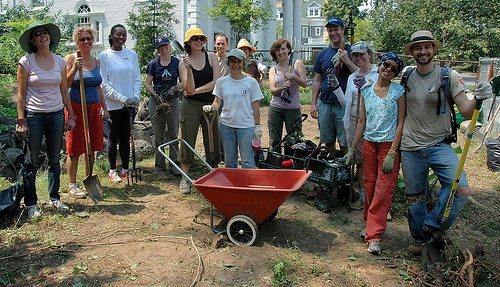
(52, 126)
(443, 160)
(234, 138)
(331, 123)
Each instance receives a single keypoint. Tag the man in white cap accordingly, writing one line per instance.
(426, 141)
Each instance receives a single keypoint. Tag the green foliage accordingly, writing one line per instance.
(281, 271)
(243, 15)
(7, 105)
(342, 8)
(466, 30)
(153, 18)
(13, 22)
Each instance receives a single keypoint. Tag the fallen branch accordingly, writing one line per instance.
(469, 260)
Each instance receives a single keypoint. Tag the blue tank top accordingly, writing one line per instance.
(92, 80)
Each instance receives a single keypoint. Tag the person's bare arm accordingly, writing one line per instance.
(22, 89)
(401, 120)
(315, 94)
(464, 105)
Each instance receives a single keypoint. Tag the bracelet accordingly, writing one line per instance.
(21, 121)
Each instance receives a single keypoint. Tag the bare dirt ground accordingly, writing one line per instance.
(149, 234)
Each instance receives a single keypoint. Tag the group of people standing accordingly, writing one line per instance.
(376, 123)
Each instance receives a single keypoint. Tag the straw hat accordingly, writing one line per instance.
(54, 32)
(244, 43)
(421, 36)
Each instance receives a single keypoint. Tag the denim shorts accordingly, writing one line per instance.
(331, 123)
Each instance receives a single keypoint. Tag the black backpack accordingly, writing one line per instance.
(445, 88)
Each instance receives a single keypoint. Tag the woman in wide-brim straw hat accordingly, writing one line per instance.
(198, 72)
(41, 97)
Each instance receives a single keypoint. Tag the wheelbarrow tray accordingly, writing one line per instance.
(256, 193)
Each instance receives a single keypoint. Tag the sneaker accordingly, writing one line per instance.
(374, 247)
(33, 212)
(362, 234)
(415, 249)
(59, 205)
(113, 176)
(124, 173)
(75, 191)
(358, 204)
(184, 186)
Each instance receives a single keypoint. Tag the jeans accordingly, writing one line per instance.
(161, 121)
(442, 159)
(234, 138)
(52, 126)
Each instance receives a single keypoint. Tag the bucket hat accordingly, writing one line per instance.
(334, 21)
(361, 47)
(54, 32)
(244, 43)
(160, 41)
(422, 36)
(238, 54)
(195, 31)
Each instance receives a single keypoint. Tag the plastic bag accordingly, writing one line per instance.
(10, 198)
(493, 154)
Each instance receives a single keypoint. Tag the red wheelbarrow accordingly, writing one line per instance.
(246, 197)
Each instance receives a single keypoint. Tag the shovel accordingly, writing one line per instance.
(210, 119)
(134, 172)
(91, 182)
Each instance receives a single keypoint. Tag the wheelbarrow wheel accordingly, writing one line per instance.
(242, 230)
(324, 201)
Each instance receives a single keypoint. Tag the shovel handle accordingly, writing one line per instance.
(86, 130)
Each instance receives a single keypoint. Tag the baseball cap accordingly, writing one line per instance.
(162, 40)
(361, 47)
(238, 54)
(334, 21)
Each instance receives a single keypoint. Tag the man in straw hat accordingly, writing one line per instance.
(426, 141)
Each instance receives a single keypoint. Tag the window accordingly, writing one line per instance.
(84, 9)
(314, 10)
(317, 31)
(38, 3)
(305, 32)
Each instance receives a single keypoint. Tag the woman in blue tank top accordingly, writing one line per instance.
(75, 139)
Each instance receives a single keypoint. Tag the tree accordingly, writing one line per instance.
(467, 30)
(13, 22)
(342, 8)
(243, 15)
(153, 18)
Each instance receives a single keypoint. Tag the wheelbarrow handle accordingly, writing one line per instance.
(161, 149)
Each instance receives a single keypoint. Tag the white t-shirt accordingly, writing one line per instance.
(43, 86)
(238, 96)
(121, 78)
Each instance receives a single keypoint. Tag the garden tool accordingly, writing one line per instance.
(134, 172)
(463, 157)
(91, 182)
(351, 180)
(285, 94)
(210, 119)
(178, 47)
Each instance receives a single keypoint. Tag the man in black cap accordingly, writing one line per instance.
(332, 67)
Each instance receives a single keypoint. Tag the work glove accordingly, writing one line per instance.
(22, 129)
(388, 163)
(71, 123)
(359, 81)
(349, 156)
(132, 101)
(331, 78)
(483, 91)
(336, 60)
(258, 132)
(367, 84)
(208, 108)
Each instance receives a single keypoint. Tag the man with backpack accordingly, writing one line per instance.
(431, 93)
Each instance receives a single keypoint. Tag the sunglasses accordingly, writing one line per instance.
(39, 33)
(200, 38)
(390, 67)
(86, 39)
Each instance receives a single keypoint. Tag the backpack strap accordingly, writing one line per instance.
(404, 78)
(445, 88)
